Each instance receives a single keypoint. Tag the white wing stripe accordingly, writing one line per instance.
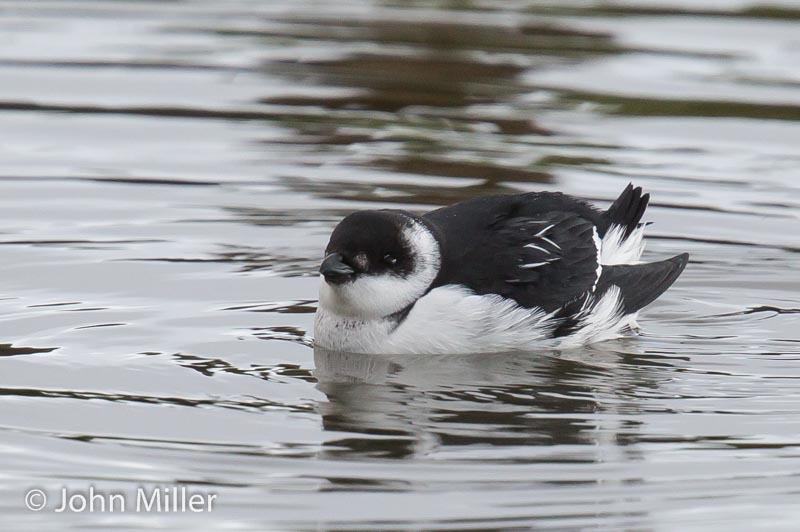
(599, 245)
(534, 246)
(550, 242)
(537, 264)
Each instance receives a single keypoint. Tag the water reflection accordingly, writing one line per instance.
(408, 193)
(439, 62)
(415, 405)
(410, 100)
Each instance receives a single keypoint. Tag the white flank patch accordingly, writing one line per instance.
(619, 250)
(600, 320)
(371, 297)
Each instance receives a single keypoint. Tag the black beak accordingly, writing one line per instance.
(334, 270)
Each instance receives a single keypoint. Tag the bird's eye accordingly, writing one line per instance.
(388, 259)
(361, 262)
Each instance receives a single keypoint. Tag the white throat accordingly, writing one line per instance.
(371, 297)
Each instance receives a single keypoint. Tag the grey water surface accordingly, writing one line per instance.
(170, 172)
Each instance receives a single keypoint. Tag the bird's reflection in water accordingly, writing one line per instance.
(402, 406)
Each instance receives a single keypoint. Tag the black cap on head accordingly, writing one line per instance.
(368, 242)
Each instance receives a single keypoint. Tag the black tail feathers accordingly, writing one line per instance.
(628, 209)
(641, 284)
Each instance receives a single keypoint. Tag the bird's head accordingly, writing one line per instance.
(377, 263)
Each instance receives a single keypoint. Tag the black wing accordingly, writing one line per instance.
(537, 249)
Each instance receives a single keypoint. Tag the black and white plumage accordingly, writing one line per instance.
(494, 273)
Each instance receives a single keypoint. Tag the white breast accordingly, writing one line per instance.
(449, 319)
(453, 319)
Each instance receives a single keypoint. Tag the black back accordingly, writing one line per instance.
(484, 247)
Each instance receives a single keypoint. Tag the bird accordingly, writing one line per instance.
(494, 273)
